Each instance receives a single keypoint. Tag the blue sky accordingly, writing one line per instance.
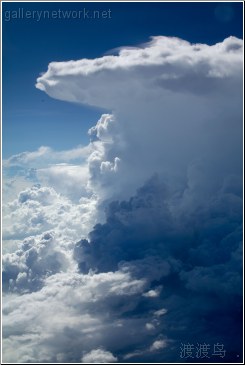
(32, 119)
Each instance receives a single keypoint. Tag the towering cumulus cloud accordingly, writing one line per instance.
(161, 181)
(172, 103)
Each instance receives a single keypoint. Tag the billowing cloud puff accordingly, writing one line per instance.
(158, 345)
(38, 209)
(71, 316)
(98, 356)
(163, 266)
(25, 269)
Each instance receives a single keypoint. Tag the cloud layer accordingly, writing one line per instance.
(163, 177)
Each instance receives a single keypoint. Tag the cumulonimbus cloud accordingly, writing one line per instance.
(172, 103)
(165, 163)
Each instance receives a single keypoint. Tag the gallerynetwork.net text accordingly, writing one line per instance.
(38, 15)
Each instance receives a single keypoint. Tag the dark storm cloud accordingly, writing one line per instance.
(193, 252)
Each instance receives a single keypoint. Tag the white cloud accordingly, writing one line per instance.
(158, 345)
(68, 316)
(170, 58)
(153, 293)
(65, 171)
(98, 356)
(149, 326)
(36, 258)
(104, 128)
(160, 312)
(46, 155)
(39, 209)
(69, 180)
(172, 102)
